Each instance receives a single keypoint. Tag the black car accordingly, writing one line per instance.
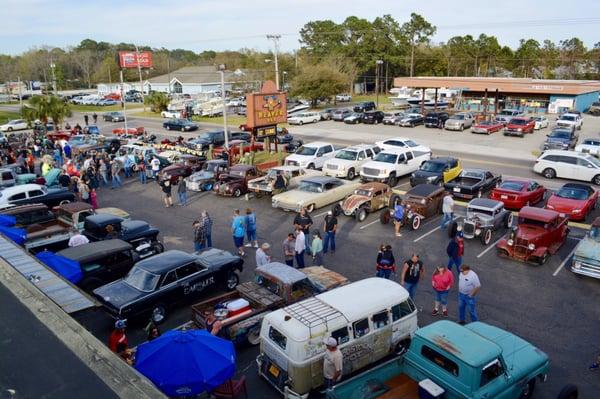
(432, 171)
(202, 142)
(364, 106)
(472, 183)
(373, 117)
(560, 139)
(37, 194)
(138, 233)
(102, 262)
(114, 116)
(436, 119)
(155, 284)
(180, 124)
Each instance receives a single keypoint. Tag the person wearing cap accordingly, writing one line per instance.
(332, 363)
(330, 227)
(262, 255)
(117, 338)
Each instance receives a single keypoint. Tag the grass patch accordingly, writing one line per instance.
(100, 109)
(235, 120)
(5, 116)
(147, 114)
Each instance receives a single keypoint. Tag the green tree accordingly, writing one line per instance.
(157, 101)
(44, 108)
(417, 31)
(315, 82)
(323, 38)
(527, 57)
(573, 53)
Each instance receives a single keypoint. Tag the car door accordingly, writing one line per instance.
(584, 170)
(18, 199)
(566, 167)
(413, 162)
(535, 193)
(194, 278)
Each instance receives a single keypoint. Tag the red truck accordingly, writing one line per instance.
(519, 126)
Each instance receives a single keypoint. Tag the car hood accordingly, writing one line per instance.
(454, 121)
(407, 119)
(199, 176)
(421, 174)
(379, 165)
(529, 233)
(588, 248)
(296, 157)
(295, 197)
(354, 201)
(352, 117)
(118, 294)
(564, 204)
(339, 162)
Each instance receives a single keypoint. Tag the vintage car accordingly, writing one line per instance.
(275, 285)
(29, 214)
(204, 179)
(138, 233)
(174, 172)
(14, 175)
(483, 217)
(576, 200)
(35, 194)
(235, 182)
(292, 175)
(314, 192)
(472, 183)
(75, 213)
(156, 284)
(133, 131)
(538, 234)
(367, 198)
(420, 202)
(586, 258)
(518, 193)
(438, 170)
(487, 127)
(519, 126)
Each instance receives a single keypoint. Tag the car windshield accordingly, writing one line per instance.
(532, 222)
(211, 166)
(557, 134)
(572, 193)
(595, 233)
(347, 155)
(239, 173)
(594, 161)
(366, 193)
(590, 142)
(272, 173)
(568, 118)
(306, 150)
(518, 122)
(385, 157)
(141, 279)
(434, 167)
(459, 117)
(310, 187)
(512, 186)
(411, 143)
(507, 112)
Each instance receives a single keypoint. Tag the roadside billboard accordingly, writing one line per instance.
(129, 59)
(266, 108)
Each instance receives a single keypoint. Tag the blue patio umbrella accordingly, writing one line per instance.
(186, 363)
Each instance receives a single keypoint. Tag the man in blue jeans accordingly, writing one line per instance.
(330, 227)
(468, 287)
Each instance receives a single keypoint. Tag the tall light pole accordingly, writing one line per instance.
(52, 66)
(378, 63)
(222, 72)
(137, 54)
(283, 82)
(275, 39)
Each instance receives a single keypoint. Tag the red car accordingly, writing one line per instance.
(234, 148)
(519, 126)
(539, 234)
(487, 127)
(576, 200)
(518, 193)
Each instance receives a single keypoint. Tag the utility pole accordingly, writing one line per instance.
(169, 72)
(137, 51)
(52, 66)
(275, 39)
(222, 72)
(20, 93)
(378, 64)
(123, 99)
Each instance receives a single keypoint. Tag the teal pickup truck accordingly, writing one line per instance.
(450, 361)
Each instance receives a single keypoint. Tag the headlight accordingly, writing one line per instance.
(576, 210)
(576, 265)
(431, 178)
(531, 247)
(477, 232)
(519, 130)
(550, 206)
(510, 243)
(412, 175)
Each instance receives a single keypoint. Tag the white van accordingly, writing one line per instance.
(568, 165)
(369, 318)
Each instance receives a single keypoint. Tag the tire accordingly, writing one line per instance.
(360, 215)
(237, 193)
(502, 253)
(402, 346)
(486, 237)
(462, 128)
(549, 173)
(541, 261)
(310, 208)
(301, 123)
(254, 336)
(569, 391)
(336, 210)
(528, 390)
(168, 127)
(596, 180)
(508, 222)
(415, 222)
(232, 281)
(392, 180)
(158, 248)
(63, 202)
(351, 174)
(311, 166)
(10, 129)
(385, 217)
(315, 121)
(159, 313)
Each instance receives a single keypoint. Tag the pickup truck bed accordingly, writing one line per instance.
(401, 387)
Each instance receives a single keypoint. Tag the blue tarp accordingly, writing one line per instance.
(7, 220)
(186, 363)
(14, 233)
(68, 268)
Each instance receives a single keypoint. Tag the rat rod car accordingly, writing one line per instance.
(367, 198)
(483, 217)
(235, 182)
(292, 175)
(420, 202)
(204, 179)
(539, 234)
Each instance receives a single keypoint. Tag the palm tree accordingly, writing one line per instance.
(44, 108)
(158, 101)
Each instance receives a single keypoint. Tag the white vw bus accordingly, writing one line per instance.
(369, 318)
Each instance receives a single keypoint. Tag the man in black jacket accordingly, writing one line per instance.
(304, 221)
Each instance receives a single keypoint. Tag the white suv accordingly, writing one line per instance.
(348, 161)
(389, 165)
(568, 165)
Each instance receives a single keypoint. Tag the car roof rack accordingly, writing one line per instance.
(313, 312)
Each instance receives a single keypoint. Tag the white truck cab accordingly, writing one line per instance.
(312, 155)
(348, 161)
(389, 165)
(573, 121)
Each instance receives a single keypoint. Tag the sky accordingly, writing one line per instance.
(234, 24)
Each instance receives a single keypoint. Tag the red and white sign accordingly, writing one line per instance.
(129, 59)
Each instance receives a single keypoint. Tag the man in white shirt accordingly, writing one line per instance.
(468, 287)
(77, 240)
(448, 210)
(155, 164)
(332, 363)
(262, 255)
(300, 247)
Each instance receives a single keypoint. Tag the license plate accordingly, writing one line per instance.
(504, 197)
(274, 371)
(456, 189)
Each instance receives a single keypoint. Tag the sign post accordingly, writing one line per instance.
(133, 59)
(264, 111)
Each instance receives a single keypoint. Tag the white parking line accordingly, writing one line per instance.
(488, 248)
(564, 262)
(369, 224)
(321, 214)
(429, 232)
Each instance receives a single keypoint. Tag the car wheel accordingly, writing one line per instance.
(528, 390)
(63, 202)
(168, 127)
(310, 208)
(10, 129)
(254, 336)
(336, 210)
(301, 123)
(550, 173)
(402, 346)
(158, 248)
(183, 129)
(310, 166)
(385, 217)
(509, 220)
(315, 121)
(392, 180)
(502, 253)
(232, 281)
(569, 391)
(543, 259)
(159, 314)
(415, 222)
(596, 180)
(351, 174)
(237, 192)
(462, 128)
(360, 215)
(486, 236)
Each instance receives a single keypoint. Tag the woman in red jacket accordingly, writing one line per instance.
(442, 280)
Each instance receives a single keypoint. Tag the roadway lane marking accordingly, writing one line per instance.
(564, 262)
(369, 224)
(485, 251)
